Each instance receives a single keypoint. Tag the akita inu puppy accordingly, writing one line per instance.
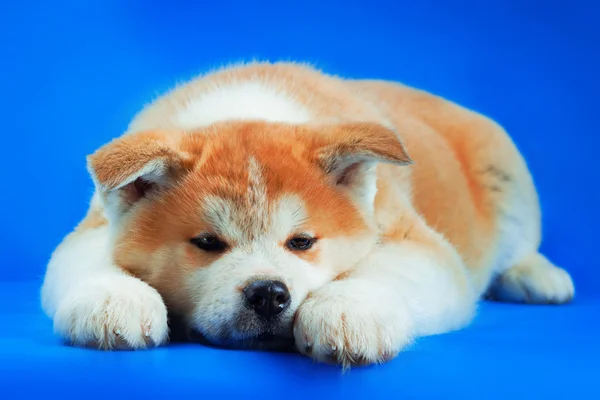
(271, 205)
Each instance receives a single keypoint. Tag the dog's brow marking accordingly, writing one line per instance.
(287, 217)
(257, 202)
(221, 215)
(256, 186)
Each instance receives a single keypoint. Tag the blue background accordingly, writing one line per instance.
(72, 74)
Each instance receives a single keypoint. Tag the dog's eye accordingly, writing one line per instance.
(208, 243)
(300, 243)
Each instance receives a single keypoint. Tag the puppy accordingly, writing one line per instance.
(272, 205)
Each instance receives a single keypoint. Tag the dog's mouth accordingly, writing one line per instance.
(262, 341)
(265, 339)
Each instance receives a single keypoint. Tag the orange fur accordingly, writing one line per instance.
(405, 193)
(160, 252)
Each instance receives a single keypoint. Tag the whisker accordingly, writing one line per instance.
(301, 222)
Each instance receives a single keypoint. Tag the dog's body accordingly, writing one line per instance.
(279, 173)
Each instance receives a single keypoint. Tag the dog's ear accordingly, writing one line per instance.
(350, 151)
(136, 166)
(354, 143)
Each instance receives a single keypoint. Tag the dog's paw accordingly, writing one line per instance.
(352, 322)
(535, 281)
(113, 313)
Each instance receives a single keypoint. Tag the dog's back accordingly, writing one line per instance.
(469, 181)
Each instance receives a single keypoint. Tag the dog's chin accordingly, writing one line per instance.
(262, 337)
(261, 341)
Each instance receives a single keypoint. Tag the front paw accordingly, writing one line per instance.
(352, 322)
(117, 312)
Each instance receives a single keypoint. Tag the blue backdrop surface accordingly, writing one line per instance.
(73, 73)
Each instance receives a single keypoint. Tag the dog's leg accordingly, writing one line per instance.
(534, 280)
(93, 302)
(413, 284)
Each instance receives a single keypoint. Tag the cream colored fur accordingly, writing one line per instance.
(424, 281)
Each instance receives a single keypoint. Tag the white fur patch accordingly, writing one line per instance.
(241, 101)
(288, 217)
(79, 256)
(92, 302)
(426, 284)
(221, 215)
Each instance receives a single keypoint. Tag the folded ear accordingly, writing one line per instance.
(351, 144)
(350, 152)
(135, 166)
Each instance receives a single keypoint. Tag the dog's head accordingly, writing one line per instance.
(236, 224)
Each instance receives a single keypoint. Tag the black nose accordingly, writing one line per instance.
(267, 298)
